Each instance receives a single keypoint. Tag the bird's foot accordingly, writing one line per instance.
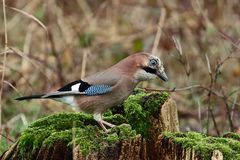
(108, 124)
(102, 123)
(103, 127)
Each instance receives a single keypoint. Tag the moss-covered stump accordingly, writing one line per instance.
(192, 145)
(140, 120)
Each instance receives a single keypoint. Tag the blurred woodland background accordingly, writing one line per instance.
(49, 43)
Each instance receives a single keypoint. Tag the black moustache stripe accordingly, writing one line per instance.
(150, 70)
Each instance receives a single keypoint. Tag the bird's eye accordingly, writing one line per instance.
(153, 62)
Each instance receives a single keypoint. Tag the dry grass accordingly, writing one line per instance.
(159, 31)
(4, 61)
(198, 42)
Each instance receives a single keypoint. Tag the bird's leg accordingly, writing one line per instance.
(108, 124)
(98, 118)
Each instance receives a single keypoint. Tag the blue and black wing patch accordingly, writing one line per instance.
(85, 88)
(98, 89)
(78, 87)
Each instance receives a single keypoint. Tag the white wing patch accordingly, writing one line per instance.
(75, 87)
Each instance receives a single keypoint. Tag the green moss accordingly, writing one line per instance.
(89, 137)
(205, 145)
(235, 136)
(116, 119)
(64, 121)
(136, 112)
(65, 136)
(131, 119)
(124, 131)
(139, 107)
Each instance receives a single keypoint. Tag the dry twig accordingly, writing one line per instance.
(209, 107)
(56, 55)
(183, 59)
(31, 17)
(9, 139)
(4, 59)
(159, 31)
(217, 94)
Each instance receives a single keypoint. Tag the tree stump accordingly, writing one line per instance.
(147, 129)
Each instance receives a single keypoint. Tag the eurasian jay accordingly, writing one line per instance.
(98, 92)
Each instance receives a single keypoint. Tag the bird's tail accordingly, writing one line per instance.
(38, 96)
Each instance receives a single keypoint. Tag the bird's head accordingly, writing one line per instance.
(148, 67)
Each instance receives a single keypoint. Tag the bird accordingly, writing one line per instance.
(96, 93)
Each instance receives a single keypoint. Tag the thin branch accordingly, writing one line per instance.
(12, 86)
(25, 57)
(58, 61)
(225, 36)
(159, 31)
(28, 38)
(7, 52)
(7, 137)
(189, 88)
(86, 10)
(16, 118)
(84, 62)
(31, 57)
(228, 112)
(208, 64)
(214, 81)
(183, 59)
(5, 25)
(186, 88)
(4, 59)
(233, 106)
(31, 17)
(177, 45)
(209, 107)
(29, 7)
(199, 114)
(233, 92)
(21, 76)
(217, 70)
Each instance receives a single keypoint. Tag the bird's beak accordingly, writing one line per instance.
(162, 75)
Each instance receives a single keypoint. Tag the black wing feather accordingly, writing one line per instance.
(30, 97)
(83, 86)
